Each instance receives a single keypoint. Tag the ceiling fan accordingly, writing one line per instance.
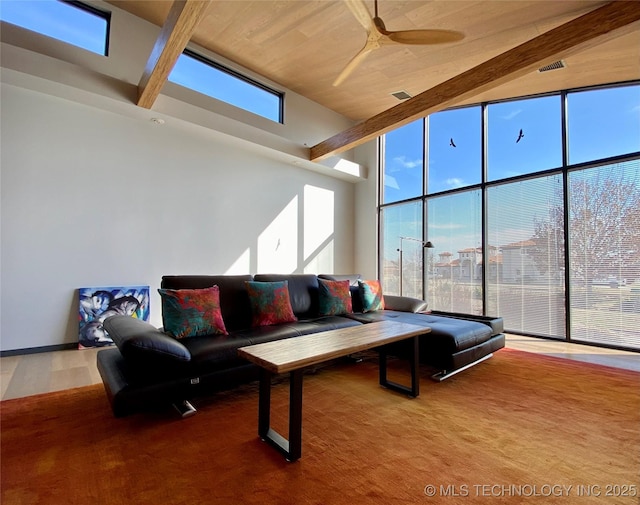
(378, 35)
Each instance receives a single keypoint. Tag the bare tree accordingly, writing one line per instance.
(604, 225)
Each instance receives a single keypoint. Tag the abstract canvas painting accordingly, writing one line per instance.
(98, 303)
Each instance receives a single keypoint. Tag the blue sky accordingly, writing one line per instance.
(454, 167)
(58, 20)
(194, 74)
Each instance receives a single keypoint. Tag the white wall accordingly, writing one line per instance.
(92, 198)
(366, 199)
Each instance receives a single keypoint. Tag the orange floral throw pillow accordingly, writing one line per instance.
(371, 294)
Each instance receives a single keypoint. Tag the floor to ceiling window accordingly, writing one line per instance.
(524, 220)
(533, 208)
(604, 238)
(400, 224)
(454, 282)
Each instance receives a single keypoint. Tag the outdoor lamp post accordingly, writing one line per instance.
(426, 245)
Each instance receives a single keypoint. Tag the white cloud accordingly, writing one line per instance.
(511, 114)
(446, 226)
(455, 182)
(405, 163)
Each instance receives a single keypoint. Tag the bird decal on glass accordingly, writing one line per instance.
(520, 135)
(451, 143)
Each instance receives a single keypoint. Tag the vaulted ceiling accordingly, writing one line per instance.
(303, 45)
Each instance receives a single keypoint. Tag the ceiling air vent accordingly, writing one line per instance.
(401, 95)
(552, 66)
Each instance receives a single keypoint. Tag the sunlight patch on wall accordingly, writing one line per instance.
(319, 223)
(278, 243)
(347, 167)
(242, 265)
(322, 262)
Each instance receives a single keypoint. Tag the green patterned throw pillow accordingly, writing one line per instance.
(270, 303)
(192, 312)
(334, 298)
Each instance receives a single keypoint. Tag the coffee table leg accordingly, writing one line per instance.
(264, 404)
(295, 415)
(292, 448)
(415, 367)
(414, 362)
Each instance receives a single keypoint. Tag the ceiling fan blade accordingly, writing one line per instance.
(355, 61)
(426, 37)
(378, 35)
(360, 11)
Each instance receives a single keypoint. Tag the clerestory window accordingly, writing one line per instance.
(205, 76)
(72, 22)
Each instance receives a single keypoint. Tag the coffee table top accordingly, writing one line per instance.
(282, 356)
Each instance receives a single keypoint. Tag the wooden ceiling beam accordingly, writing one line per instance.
(593, 28)
(174, 36)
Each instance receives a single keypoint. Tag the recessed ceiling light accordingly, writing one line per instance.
(157, 120)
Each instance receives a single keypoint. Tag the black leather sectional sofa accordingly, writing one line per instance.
(148, 368)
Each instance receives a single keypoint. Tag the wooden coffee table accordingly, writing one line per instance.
(294, 354)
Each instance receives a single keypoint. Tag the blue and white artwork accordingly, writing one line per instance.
(97, 304)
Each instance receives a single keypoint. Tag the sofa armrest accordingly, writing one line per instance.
(140, 342)
(404, 303)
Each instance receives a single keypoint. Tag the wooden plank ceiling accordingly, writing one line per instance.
(304, 44)
(602, 24)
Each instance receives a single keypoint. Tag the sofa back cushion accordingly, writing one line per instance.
(234, 299)
(303, 291)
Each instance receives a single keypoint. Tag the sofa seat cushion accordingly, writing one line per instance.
(496, 323)
(325, 323)
(261, 334)
(214, 352)
(281, 331)
(447, 334)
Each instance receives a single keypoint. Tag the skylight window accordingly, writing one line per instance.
(72, 22)
(212, 79)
